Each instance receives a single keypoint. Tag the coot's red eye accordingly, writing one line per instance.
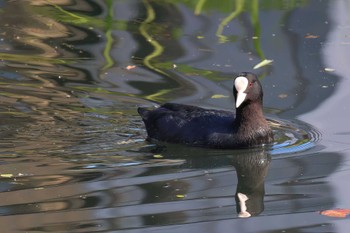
(251, 84)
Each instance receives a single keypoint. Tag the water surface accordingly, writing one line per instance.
(73, 154)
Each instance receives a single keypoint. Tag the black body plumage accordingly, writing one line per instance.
(195, 126)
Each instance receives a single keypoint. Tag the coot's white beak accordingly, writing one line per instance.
(241, 84)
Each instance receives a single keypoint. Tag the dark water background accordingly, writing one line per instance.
(73, 155)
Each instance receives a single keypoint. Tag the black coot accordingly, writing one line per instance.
(195, 126)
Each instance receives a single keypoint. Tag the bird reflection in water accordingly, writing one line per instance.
(251, 167)
(251, 170)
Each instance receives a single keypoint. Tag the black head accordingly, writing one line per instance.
(247, 89)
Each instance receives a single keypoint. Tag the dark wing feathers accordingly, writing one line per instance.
(185, 124)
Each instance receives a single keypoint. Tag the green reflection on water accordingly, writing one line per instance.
(109, 37)
(34, 59)
(239, 8)
(58, 13)
(150, 30)
(145, 31)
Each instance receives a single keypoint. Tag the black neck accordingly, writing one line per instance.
(245, 112)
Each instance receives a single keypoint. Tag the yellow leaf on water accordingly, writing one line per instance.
(218, 96)
(262, 63)
(180, 196)
(6, 175)
(157, 156)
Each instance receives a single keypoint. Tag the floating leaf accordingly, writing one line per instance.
(336, 213)
(6, 175)
(329, 69)
(218, 96)
(130, 67)
(310, 36)
(157, 156)
(282, 96)
(125, 142)
(180, 196)
(262, 63)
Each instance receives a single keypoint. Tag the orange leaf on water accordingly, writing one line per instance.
(336, 213)
(130, 67)
(310, 36)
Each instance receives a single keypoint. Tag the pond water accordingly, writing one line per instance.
(73, 151)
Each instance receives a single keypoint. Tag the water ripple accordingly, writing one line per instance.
(293, 137)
